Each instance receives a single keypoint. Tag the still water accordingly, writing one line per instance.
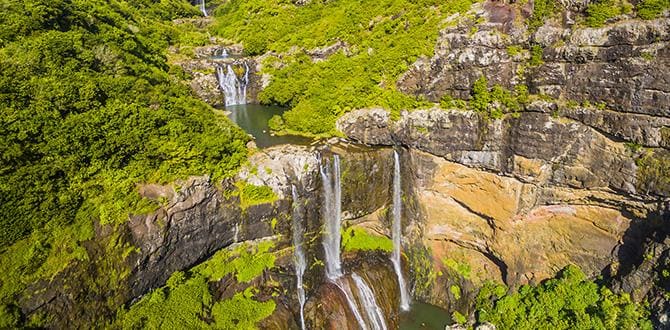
(423, 317)
(253, 119)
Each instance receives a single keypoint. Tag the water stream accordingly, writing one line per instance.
(397, 232)
(299, 253)
(374, 313)
(202, 8)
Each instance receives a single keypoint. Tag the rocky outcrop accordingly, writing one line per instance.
(618, 65)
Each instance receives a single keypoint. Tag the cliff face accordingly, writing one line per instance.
(558, 183)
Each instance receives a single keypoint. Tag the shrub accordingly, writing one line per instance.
(569, 301)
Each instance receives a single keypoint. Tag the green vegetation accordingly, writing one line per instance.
(455, 291)
(514, 50)
(536, 55)
(542, 9)
(653, 172)
(186, 302)
(599, 12)
(384, 38)
(355, 238)
(497, 101)
(90, 108)
(458, 317)
(253, 195)
(245, 262)
(569, 301)
(650, 9)
(460, 268)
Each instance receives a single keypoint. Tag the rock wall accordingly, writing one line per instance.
(516, 199)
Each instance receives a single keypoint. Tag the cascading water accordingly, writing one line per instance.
(299, 254)
(343, 285)
(332, 209)
(202, 8)
(234, 88)
(374, 313)
(236, 233)
(397, 232)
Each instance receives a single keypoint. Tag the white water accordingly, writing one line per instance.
(343, 285)
(234, 88)
(236, 233)
(299, 254)
(202, 8)
(397, 232)
(374, 313)
(331, 212)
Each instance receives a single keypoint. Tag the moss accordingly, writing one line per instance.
(647, 56)
(246, 262)
(650, 9)
(542, 9)
(253, 195)
(455, 291)
(460, 268)
(459, 318)
(241, 311)
(536, 55)
(514, 50)
(421, 265)
(355, 238)
(653, 173)
(599, 12)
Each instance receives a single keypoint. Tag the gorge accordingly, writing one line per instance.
(489, 163)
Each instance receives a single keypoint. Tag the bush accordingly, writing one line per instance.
(569, 301)
(650, 9)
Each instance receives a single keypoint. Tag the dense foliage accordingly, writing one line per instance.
(90, 107)
(382, 38)
(187, 303)
(569, 301)
(356, 238)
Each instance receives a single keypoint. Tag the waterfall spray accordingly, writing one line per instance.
(397, 231)
(299, 253)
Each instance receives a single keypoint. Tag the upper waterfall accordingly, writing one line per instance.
(234, 88)
(331, 212)
(397, 231)
(202, 8)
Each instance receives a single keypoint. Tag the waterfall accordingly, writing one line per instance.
(374, 313)
(332, 210)
(343, 285)
(236, 233)
(299, 254)
(202, 8)
(234, 88)
(397, 232)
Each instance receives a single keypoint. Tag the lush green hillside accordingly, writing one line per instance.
(89, 108)
(383, 38)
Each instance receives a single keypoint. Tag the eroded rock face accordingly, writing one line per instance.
(519, 198)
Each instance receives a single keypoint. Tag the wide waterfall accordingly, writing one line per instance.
(234, 88)
(374, 313)
(202, 8)
(332, 210)
(397, 232)
(299, 253)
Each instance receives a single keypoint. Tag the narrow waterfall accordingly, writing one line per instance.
(397, 232)
(234, 88)
(343, 285)
(331, 212)
(236, 233)
(299, 253)
(374, 313)
(202, 8)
